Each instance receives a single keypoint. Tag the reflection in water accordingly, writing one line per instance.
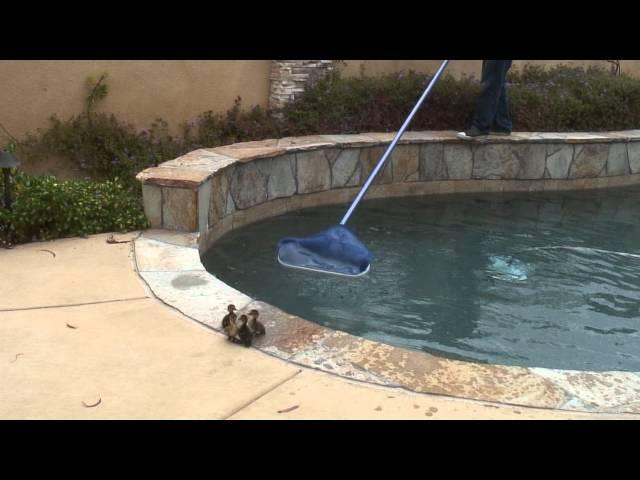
(548, 280)
(508, 268)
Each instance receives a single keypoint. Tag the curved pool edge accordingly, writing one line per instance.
(169, 263)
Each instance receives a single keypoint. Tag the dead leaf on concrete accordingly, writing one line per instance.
(71, 326)
(111, 239)
(94, 404)
(16, 359)
(290, 409)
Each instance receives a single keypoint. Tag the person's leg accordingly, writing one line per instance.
(502, 122)
(494, 74)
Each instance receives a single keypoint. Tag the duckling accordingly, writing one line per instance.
(244, 334)
(229, 323)
(256, 327)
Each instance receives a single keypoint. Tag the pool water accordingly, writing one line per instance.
(536, 279)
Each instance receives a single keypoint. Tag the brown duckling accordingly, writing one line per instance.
(229, 323)
(244, 334)
(256, 327)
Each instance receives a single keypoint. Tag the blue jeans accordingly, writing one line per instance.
(492, 111)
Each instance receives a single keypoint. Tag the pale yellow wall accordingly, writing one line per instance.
(140, 91)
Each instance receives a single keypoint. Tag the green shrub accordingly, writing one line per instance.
(214, 129)
(103, 146)
(46, 208)
(558, 99)
(572, 98)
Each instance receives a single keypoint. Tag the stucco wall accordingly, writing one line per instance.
(140, 90)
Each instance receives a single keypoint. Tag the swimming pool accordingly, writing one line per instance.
(535, 279)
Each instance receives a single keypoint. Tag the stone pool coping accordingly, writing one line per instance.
(193, 200)
(169, 263)
(213, 191)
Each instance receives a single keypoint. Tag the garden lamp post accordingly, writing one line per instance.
(7, 162)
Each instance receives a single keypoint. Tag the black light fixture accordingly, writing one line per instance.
(7, 162)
